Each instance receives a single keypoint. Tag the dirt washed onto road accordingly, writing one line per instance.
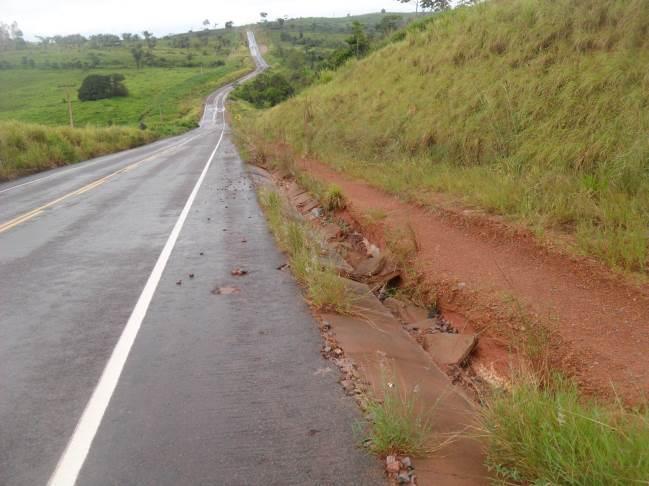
(500, 282)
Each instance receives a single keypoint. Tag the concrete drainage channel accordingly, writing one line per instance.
(391, 340)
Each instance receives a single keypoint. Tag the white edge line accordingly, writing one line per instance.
(74, 456)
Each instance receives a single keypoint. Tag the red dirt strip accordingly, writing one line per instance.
(479, 271)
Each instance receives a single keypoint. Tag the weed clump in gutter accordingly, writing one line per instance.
(398, 424)
(334, 199)
(550, 435)
(325, 289)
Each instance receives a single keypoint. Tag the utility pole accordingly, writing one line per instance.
(68, 96)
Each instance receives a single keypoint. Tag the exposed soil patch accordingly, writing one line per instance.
(505, 286)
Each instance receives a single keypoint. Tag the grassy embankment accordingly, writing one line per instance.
(33, 112)
(528, 108)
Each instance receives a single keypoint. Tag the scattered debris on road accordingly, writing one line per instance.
(226, 290)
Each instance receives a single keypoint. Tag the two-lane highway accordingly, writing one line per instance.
(117, 367)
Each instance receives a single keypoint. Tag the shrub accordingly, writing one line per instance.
(98, 87)
(266, 90)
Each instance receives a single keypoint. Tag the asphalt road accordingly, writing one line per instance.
(113, 373)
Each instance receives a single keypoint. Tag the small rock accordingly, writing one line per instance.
(403, 477)
(338, 351)
(202, 254)
(226, 291)
(392, 465)
(348, 385)
(244, 241)
(191, 275)
(369, 267)
(238, 272)
(331, 231)
(327, 349)
(180, 282)
(316, 212)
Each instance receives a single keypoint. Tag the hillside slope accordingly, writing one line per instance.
(532, 108)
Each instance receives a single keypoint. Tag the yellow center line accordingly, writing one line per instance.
(35, 212)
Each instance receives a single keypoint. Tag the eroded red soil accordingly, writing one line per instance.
(503, 283)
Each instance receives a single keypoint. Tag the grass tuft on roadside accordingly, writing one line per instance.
(334, 199)
(397, 424)
(325, 289)
(551, 435)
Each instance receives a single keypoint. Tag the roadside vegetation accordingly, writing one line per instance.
(551, 435)
(397, 424)
(27, 148)
(324, 288)
(528, 108)
(302, 50)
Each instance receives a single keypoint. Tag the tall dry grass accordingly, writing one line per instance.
(27, 148)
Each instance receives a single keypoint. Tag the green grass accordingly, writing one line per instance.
(34, 115)
(324, 288)
(398, 425)
(552, 436)
(25, 148)
(168, 100)
(334, 199)
(530, 108)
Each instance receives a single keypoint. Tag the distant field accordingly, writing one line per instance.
(160, 97)
(165, 97)
(165, 94)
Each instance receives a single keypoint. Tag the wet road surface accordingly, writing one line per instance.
(118, 368)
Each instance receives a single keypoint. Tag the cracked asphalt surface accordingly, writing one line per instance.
(217, 389)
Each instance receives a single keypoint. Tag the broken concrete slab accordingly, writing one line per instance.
(294, 190)
(450, 349)
(301, 199)
(331, 231)
(382, 350)
(309, 205)
(366, 304)
(339, 264)
(407, 312)
(368, 268)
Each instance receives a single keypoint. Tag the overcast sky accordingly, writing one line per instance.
(50, 17)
